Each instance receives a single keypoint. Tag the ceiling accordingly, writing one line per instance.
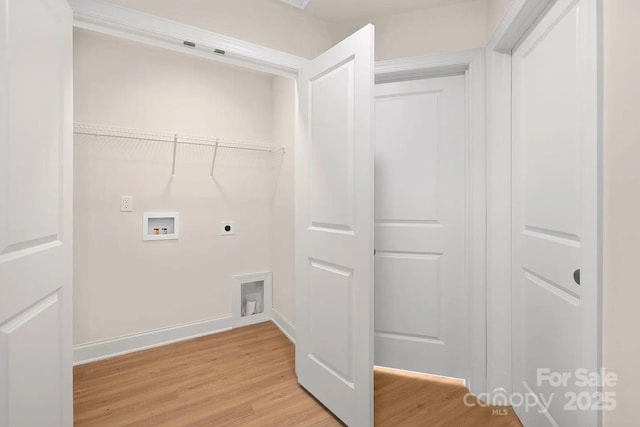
(343, 10)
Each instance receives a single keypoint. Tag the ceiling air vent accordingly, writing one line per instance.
(300, 4)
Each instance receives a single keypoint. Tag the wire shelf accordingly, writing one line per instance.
(176, 139)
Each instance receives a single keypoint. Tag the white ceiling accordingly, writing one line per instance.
(342, 10)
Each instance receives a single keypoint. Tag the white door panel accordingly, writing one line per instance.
(410, 310)
(35, 213)
(334, 229)
(401, 163)
(555, 211)
(421, 285)
(33, 378)
(332, 156)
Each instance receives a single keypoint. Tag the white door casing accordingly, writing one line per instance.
(556, 227)
(421, 286)
(36, 167)
(334, 228)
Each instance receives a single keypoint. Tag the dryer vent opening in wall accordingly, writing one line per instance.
(251, 299)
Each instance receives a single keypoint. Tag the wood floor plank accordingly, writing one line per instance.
(246, 377)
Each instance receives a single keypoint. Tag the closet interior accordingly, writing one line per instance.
(189, 142)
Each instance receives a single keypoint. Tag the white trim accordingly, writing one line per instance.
(98, 350)
(498, 221)
(472, 64)
(519, 18)
(112, 347)
(120, 21)
(516, 23)
(300, 4)
(285, 325)
(426, 66)
(477, 220)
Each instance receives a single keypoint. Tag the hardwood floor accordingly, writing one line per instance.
(245, 377)
(407, 399)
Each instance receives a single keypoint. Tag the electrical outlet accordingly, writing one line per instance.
(227, 228)
(126, 204)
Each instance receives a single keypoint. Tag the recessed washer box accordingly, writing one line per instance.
(160, 226)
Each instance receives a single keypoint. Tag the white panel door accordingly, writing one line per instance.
(556, 264)
(35, 213)
(421, 316)
(334, 229)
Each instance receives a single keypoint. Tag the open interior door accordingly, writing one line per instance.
(334, 228)
(36, 184)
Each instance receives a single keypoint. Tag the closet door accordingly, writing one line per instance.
(334, 228)
(36, 199)
(556, 231)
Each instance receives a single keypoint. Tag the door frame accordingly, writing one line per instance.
(126, 23)
(471, 63)
(521, 16)
(120, 21)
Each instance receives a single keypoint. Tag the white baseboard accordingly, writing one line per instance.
(90, 352)
(284, 324)
(99, 350)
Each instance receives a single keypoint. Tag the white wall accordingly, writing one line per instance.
(441, 29)
(266, 22)
(282, 226)
(622, 206)
(495, 11)
(124, 285)
(272, 23)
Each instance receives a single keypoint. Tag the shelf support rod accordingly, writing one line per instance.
(213, 162)
(175, 148)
